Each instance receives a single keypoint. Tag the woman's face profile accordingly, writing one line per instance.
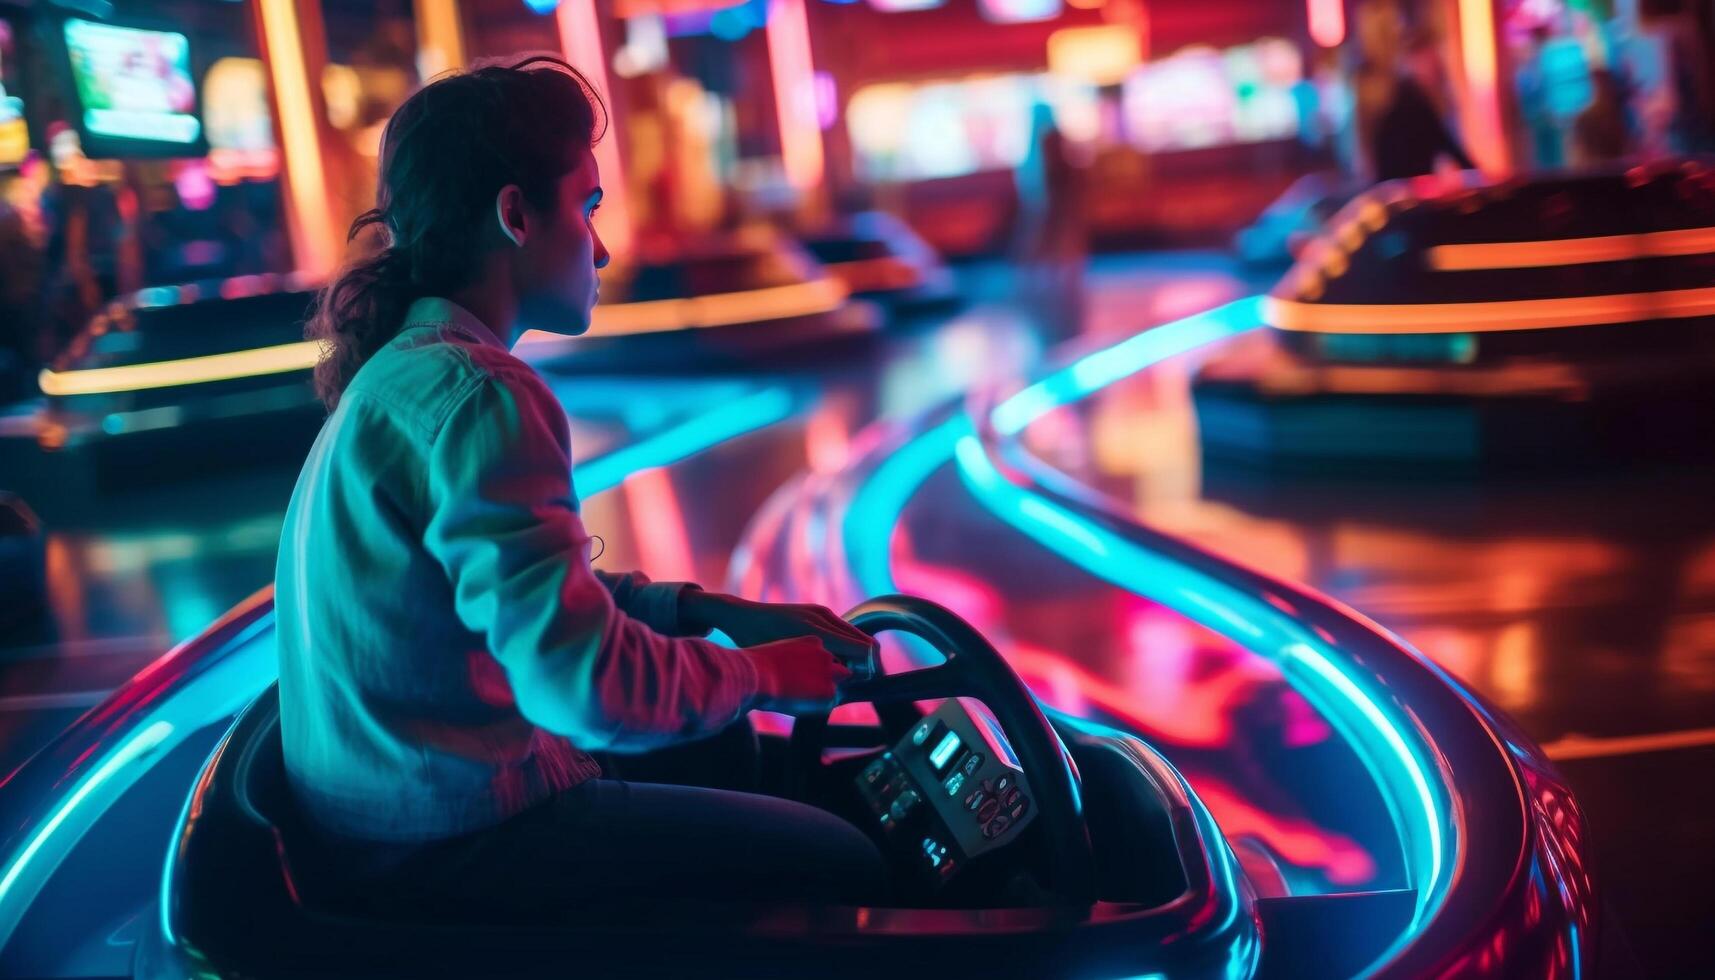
(560, 257)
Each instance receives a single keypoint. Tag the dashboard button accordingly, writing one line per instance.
(997, 826)
(920, 733)
(988, 810)
(973, 763)
(903, 804)
(975, 799)
(954, 783)
(1002, 784)
(1018, 808)
(1012, 796)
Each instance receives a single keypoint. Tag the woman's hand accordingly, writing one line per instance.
(753, 623)
(796, 675)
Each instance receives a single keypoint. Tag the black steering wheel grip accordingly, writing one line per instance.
(973, 668)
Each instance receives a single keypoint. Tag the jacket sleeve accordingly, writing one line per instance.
(654, 604)
(504, 526)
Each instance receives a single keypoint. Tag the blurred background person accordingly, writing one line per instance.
(1602, 132)
(1050, 240)
(1399, 123)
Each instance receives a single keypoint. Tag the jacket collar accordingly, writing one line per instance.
(439, 311)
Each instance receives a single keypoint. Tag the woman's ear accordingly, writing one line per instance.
(509, 213)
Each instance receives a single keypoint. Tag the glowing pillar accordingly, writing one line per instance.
(1485, 136)
(795, 92)
(1327, 22)
(581, 44)
(440, 37)
(295, 50)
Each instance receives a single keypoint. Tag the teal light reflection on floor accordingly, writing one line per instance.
(876, 506)
(727, 421)
(1102, 368)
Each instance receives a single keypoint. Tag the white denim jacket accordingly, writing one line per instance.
(447, 655)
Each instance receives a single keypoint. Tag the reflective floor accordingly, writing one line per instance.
(1584, 607)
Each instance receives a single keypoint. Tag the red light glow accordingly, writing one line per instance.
(1328, 22)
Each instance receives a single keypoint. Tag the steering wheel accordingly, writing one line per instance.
(973, 669)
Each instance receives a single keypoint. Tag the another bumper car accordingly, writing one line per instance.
(1537, 322)
(720, 302)
(880, 258)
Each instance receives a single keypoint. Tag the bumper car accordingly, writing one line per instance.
(164, 381)
(1020, 842)
(1538, 322)
(718, 302)
(880, 258)
(1283, 229)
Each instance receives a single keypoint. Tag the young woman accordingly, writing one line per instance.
(448, 658)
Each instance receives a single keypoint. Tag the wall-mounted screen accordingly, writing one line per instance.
(905, 131)
(134, 90)
(1203, 96)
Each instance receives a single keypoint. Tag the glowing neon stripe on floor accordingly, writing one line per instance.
(248, 665)
(735, 418)
(1385, 743)
(1124, 359)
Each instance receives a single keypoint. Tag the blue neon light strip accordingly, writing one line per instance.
(1382, 741)
(250, 665)
(142, 745)
(1096, 371)
(735, 418)
(1236, 614)
(1392, 749)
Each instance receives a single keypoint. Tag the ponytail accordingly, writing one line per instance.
(357, 313)
(445, 154)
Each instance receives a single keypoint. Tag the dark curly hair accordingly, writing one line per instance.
(445, 154)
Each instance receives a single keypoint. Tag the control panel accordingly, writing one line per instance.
(949, 791)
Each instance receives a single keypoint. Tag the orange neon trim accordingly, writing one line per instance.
(299, 356)
(309, 218)
(795, 92)
(861, 275)
(1521, 314)
(1572, 251)
(581, 44)
(1327, 22)
(719, 309)
(654, 316)
(1484, 134)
